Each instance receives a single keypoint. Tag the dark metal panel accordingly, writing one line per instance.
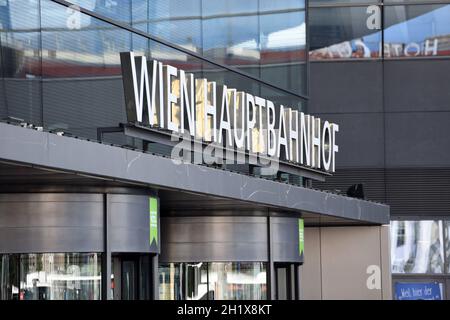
(50, 150)
(345, 87)
(130, 224)
(54, 214)
(417, 139)
(415, 192)
(417, 85)
(285, 239)
(373, 180)
(51, 223)
(50, 239)
(192, 239)
(81, 105)
(360, 139)
(23, 98)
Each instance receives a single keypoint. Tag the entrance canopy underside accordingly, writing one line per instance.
(33, 160)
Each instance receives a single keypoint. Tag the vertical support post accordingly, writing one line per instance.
(293, 281)
(271, 267)
(155, 277)
(299, 282)
(106, 256)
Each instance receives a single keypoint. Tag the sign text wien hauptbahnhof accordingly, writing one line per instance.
(165, 97)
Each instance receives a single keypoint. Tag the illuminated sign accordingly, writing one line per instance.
(165, 97)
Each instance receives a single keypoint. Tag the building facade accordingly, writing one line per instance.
(93, 205)
(380, 69)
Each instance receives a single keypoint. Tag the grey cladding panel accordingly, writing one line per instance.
(51, 223)
(360, 139)
(130, 224)
(50, 239)
(418, 191)
(207, 252)
(417, 85)
(285, 236)
(417, 139)
(214, 239)
(337, 87)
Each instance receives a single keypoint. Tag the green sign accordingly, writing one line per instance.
(153, 220)
(301, 236)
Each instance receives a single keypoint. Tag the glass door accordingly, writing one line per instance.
(287, 284)
(131, 277)
(129, 280)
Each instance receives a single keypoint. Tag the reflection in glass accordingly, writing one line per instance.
(230, 33)
(88, 48)
(238, 280)
(176, 21)
(417, 30)
(417, 246)
(342, 33)
(145, 274)
(410, 31)
(119, 10)
(183, 281)
(60, 276)
(66, 64)
(338, 2)
(216, 280)
(20, 61)
(283, 43)
(129, 280)
(9, 273)
(263, 37)
(447, 244)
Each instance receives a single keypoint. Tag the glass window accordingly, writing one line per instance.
(183, 281)
(9, 273)
(417, 246)
(145, 269)
(119, 10)
(390, 2)
(230, 33)
(60, 276)
(20, 59)
(177, 21)
(447, 245)
(238, 280)
(262, 37)
(342, 33)
(335, 2)
(268, 5)
(216, 280)
(283, 43)
(417, 31)
(71, 72)
(87, 48)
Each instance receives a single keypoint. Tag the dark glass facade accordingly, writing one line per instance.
(393, 106)
(61, 67)
(375, 29)
(213, 281)
(50, 276)
(264, 38)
